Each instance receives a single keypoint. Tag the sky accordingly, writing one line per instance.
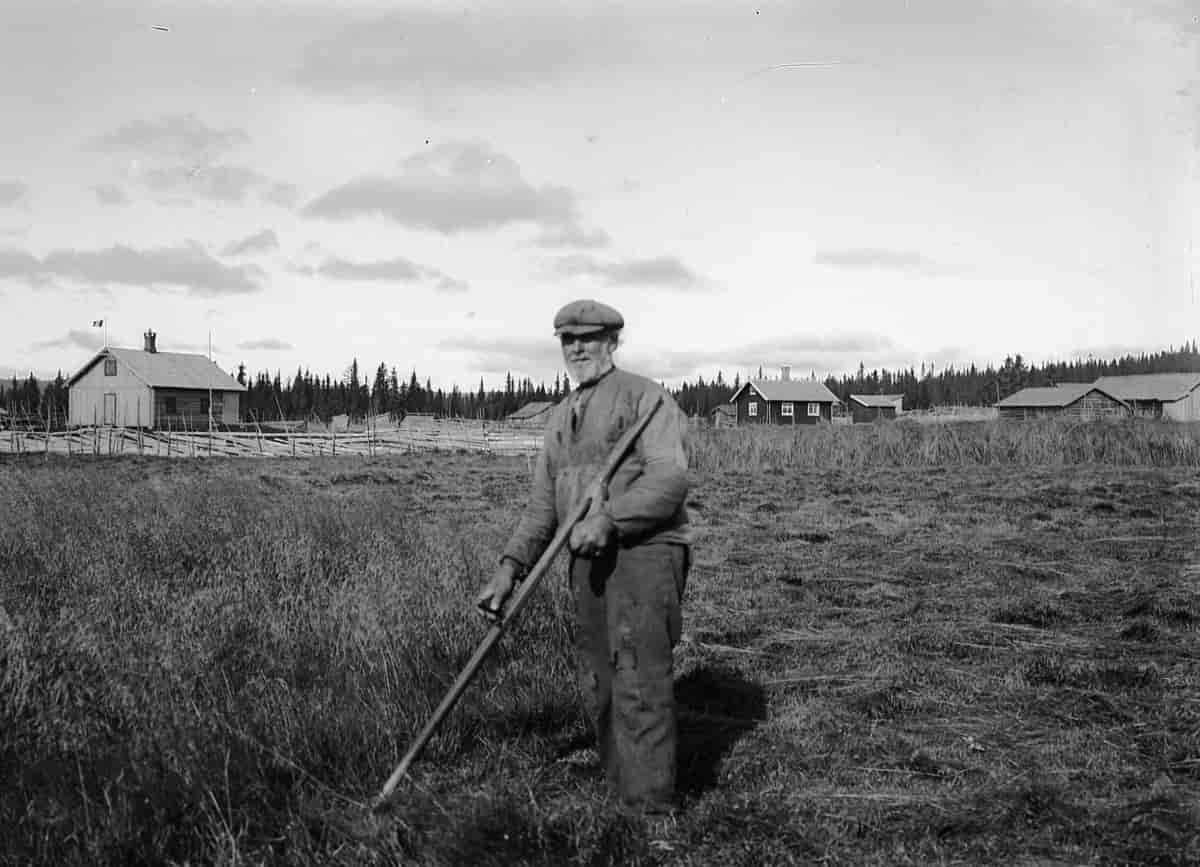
(300, 183)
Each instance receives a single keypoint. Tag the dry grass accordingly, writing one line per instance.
(1052, 442)
(216, 662)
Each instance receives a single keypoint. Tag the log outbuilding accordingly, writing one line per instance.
(1080, 400)
(533, 414)
(1174, 396)
(872, 407)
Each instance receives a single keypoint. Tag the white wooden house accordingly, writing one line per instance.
(148, 388)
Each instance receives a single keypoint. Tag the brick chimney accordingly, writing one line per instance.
(785, 373)
(149, 338)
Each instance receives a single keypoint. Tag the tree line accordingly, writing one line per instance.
(964, 386)
(307, 396)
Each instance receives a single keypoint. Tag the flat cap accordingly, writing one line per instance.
(585, 316)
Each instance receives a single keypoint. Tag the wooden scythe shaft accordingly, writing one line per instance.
(594, 493)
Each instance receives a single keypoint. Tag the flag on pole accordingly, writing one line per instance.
(97, 323)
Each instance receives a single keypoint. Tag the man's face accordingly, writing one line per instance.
(588, 356)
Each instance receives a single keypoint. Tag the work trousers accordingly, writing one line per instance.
(627, 606)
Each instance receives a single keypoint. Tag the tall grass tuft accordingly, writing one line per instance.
(1053, 442)
(183, 668)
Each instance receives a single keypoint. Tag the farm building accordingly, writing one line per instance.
(534, 413)
(1080, 400)
(872, 407)
(783, 401)
(148, 388)
(723, 415)
(1173, 396)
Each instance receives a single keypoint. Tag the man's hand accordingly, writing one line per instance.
(591, 536)
(495, 593)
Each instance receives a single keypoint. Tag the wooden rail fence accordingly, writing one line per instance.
(441, 435)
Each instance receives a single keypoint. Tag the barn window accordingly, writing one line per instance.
(787, 409)
(110, 367)
(170, 402)
(204, 406)
(814, 409)
(752, 410)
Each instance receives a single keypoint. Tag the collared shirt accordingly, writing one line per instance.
(647, 492)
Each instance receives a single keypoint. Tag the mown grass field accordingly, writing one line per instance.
(957, 653)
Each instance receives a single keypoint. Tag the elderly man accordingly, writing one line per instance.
(629, 557)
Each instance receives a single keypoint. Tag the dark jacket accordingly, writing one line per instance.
(647, 493)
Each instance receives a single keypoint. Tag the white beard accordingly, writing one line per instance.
(583, 372)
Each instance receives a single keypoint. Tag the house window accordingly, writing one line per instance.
(204, 406)
(814, 409)
(752, 411)
(110, 367)
(170, 402)
(787, 409)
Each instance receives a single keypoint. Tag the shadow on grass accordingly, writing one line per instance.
(717, 707)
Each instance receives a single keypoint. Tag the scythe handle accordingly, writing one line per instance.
(594, 493)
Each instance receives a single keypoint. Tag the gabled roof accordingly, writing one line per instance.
(795, 390)
(877, 399)
(1063, 394)
(166, 369)
(1166, 387)
(531, 410)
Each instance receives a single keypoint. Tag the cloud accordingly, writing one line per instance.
(195, 348)
(174, 136)
(454, 187)
(824, 353)
(1112, 350)
(281, 194)
(659, 271)
(76, 338)
(186, 266)
(500, 354)
(260, 242)
(221, 183)
(182, 155)
(483, 49)
(266, 343)
(13, 193)
(572, 236)
(397, 270)
(17, 263)
(107, 194)
(870, 258)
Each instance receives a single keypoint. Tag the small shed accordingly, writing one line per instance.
(783, 401)
(1174, 396)
(148, 388)
(872, 407)
(533, 414)
(1079, 400)
(723, 415)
